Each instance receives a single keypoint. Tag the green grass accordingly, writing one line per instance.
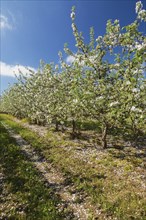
(112, 179)
(23, 193)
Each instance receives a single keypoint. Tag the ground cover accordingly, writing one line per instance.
(113, 180)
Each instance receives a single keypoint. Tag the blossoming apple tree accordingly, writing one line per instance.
(105, 82)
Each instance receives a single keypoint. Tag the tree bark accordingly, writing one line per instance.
(73, 126)
(104, 136)
(56, 126)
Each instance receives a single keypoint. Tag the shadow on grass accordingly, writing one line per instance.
(136, 156)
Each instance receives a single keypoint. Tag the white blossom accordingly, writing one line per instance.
(80, 60)
(100, 97)
(128, 82)
(140, 46)
(116, 21)
(138, 6)
(117, 65)
(92, 59)
(75, 100)
(142, 15)
(73, 27)
(134, 109)
(99, 38)
(114, 103)
(130, 47)
(135, 90)
(72, 15)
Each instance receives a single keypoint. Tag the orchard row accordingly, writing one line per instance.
(104, 82)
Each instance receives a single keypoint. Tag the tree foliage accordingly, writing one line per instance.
(105, 82)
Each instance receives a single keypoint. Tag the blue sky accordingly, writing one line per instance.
(34, 30)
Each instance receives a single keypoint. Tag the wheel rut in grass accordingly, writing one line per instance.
(53, 178)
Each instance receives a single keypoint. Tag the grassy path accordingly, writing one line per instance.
(23, 194)
(110, 184)
(54, 179)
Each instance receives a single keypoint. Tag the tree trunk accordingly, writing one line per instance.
(56, 126)
(35, 121)
(73, 126)
(104, 136)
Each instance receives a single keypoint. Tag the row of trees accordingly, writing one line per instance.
(105, 82)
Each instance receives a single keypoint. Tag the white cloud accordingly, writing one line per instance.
(12, 70)
(4, 23)
(70, 59)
